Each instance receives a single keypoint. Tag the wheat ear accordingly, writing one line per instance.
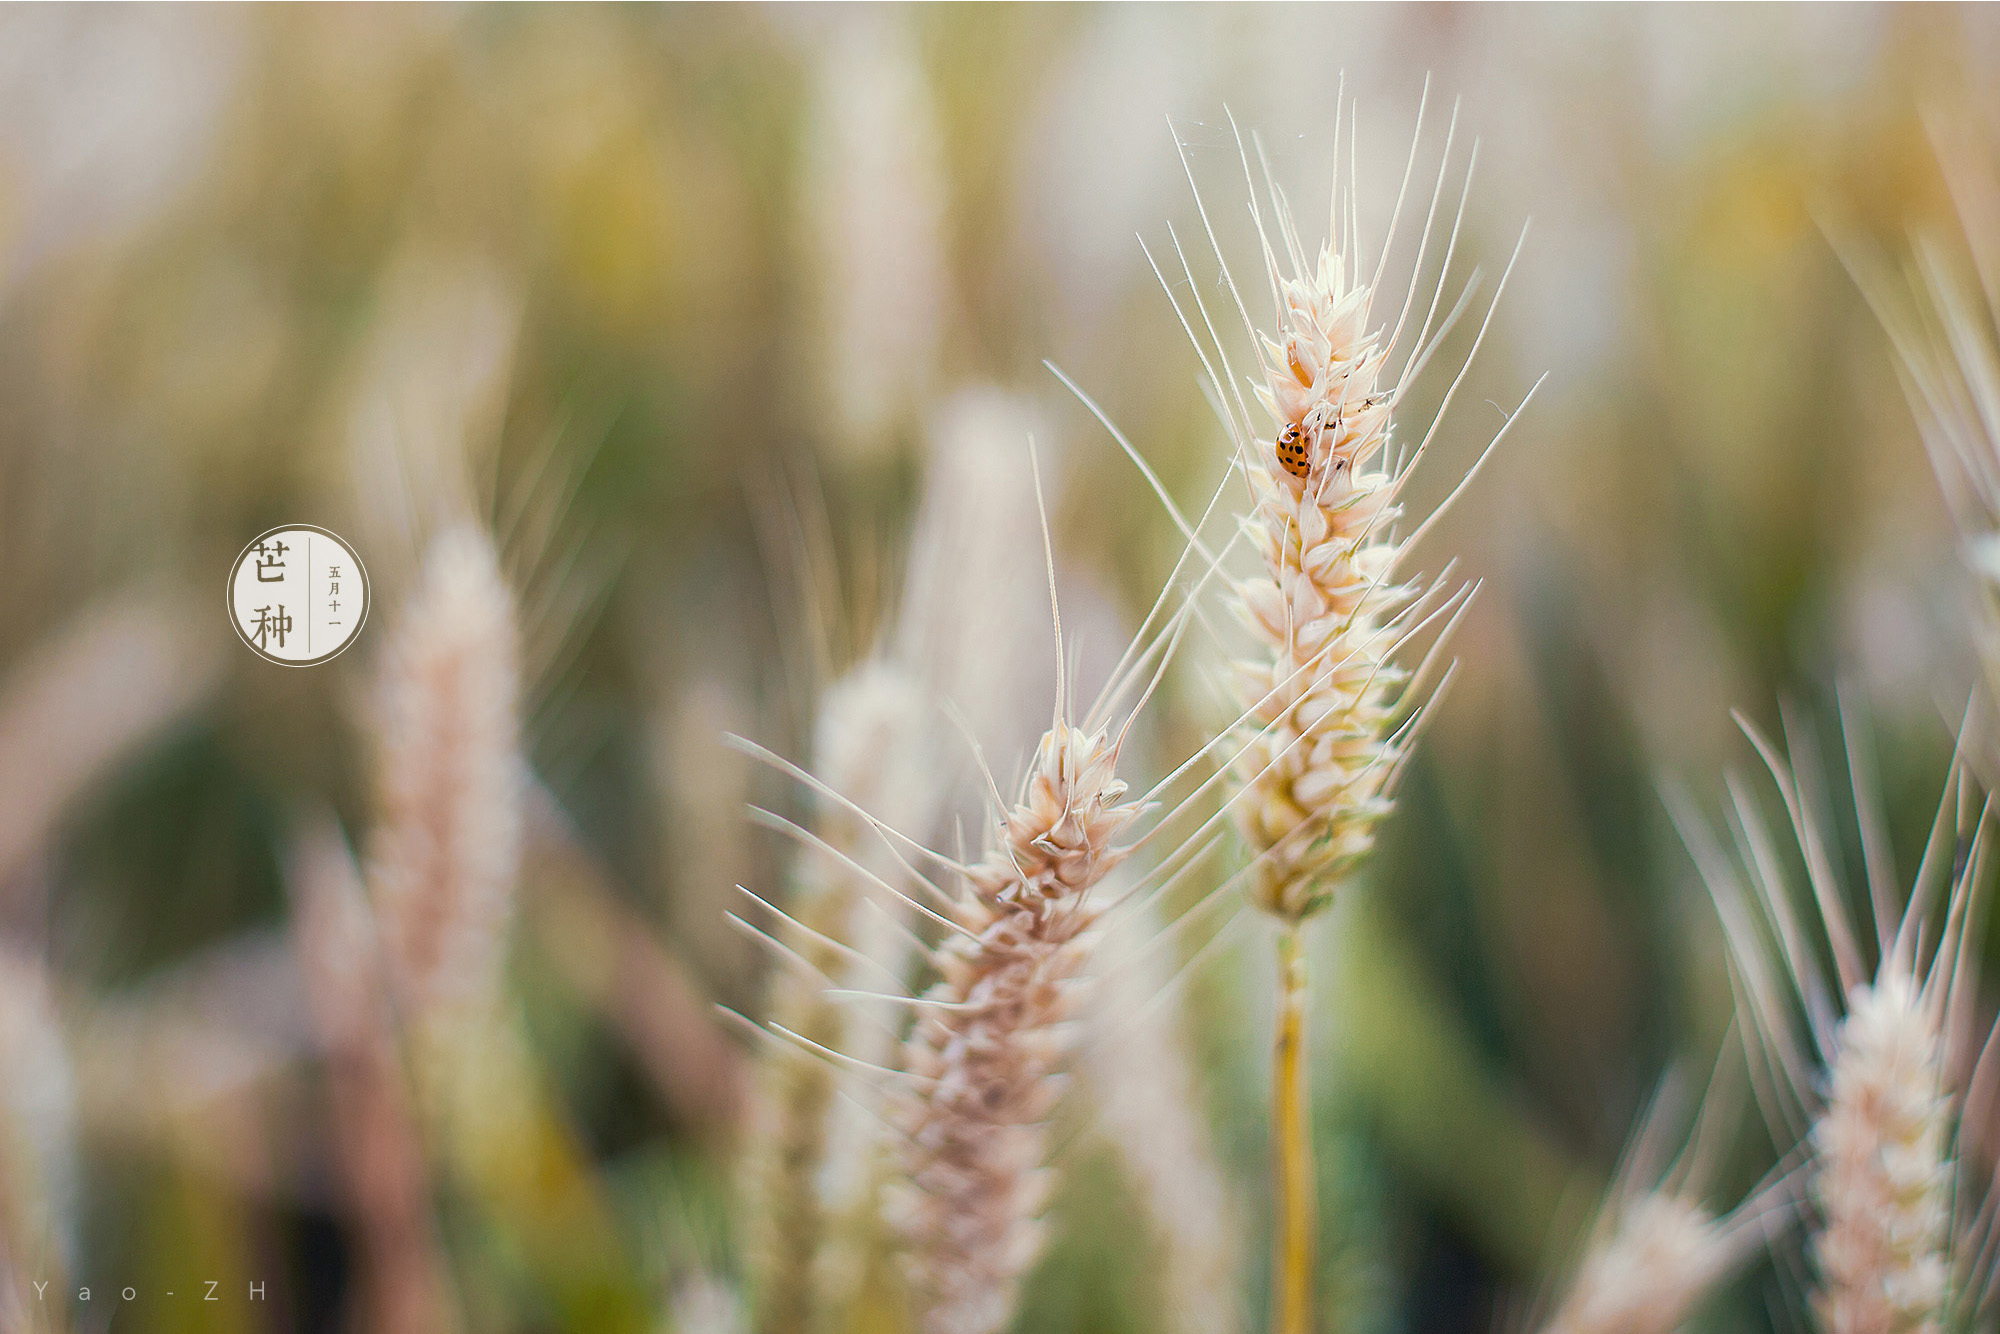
(443, 869)
(1657, 1249)
(1883, 1145)
(866, 751)
(1900, 1239)
(446, 845)
(991, 1033)
(1646, 1273)
(1944, 323)
(1328, 707)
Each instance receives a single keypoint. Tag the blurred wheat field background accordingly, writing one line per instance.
(674, 369)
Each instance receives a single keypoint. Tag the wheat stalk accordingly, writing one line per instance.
(377, 1147)
(991, 1034)
(1329, 706)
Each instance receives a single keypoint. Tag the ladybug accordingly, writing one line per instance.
(1292, 451)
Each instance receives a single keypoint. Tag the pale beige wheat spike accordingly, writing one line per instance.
(442, 863)
(377, 1146)
(1329, 701)
(1645, 1275)
(992, 1033)
(1324, 695)
(87, 696)
(874, 226)
(1902, 1239)
(813, 1162)
(1884, 1150)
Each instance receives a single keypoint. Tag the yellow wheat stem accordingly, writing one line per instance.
(1324, 692)
(1292, 1146)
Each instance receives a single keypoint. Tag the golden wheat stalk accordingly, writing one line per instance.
(1330, 706)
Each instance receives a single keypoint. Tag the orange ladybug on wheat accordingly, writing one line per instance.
(1292, 451)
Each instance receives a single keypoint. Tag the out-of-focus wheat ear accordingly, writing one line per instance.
(704, 1303)
(445, 851)
(816, 1161)
(873, 224)
(974, 612)
(378, 1149)
(1657, 1250)
(1942, 316)
(1892, 1250)
(427, 397)
(1883, 1146)
(1659, 1255)
(37, 1144)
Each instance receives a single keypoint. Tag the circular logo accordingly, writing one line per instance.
(298, 595)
